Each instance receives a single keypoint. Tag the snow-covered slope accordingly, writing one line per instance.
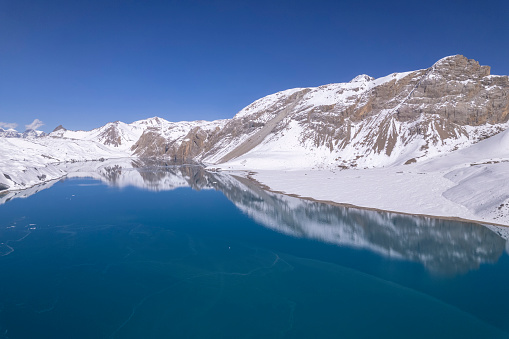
(116, 134)
(470, 183)
(24, 162)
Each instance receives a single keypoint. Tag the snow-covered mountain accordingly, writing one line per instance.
(29, 133)
(398, 119)
(140, 138)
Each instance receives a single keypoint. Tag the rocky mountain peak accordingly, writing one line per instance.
(459, 67)
(154, 121)
(59, 127)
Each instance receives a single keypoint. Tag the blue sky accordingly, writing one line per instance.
(85, 63)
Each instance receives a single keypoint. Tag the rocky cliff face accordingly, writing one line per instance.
(401, 118)
(183, 144)
(461, 91)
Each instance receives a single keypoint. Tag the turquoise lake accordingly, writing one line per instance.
(139, 251)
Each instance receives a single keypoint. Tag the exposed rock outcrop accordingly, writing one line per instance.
(111, 136)
(59, 128)
(151, 144)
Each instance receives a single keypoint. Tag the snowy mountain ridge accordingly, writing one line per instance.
(397, 119)
(124, 136)
(29, 133)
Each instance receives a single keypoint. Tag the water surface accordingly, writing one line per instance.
(144, 251)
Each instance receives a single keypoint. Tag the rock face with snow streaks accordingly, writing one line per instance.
(400, 118)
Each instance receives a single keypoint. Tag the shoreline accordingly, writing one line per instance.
(263, 186)
(61, 164)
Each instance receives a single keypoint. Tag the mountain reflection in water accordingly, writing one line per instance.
(442, 246)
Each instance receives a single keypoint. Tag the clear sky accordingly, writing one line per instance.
(85, 63)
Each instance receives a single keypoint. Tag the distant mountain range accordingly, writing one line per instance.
(29, 133)
(398, 119)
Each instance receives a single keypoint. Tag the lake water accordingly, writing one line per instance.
(143, 251)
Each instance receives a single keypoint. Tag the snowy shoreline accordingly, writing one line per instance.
(345, 188)
(251, 177)
(466, 193)
(499, 228)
